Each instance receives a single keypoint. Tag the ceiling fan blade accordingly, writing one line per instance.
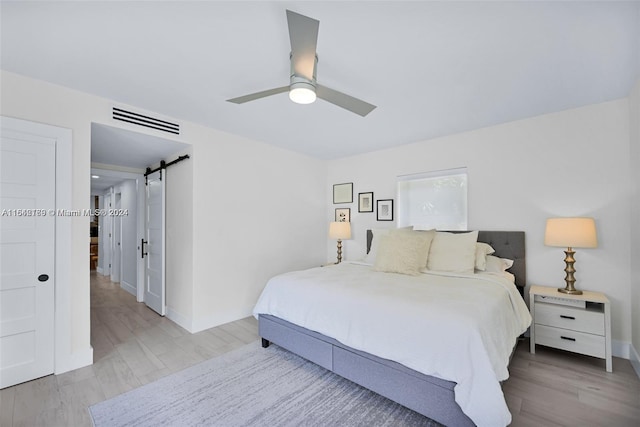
(345, 101)
(258, 95)
(303, 34)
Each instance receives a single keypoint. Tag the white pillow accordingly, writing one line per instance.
(498, 265)
(453, 252)
(402, 252)
(482, 250)
(370, 258)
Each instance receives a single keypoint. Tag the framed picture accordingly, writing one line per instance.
(384, 210)
(343, 193)
(343, 215)
(365, 202)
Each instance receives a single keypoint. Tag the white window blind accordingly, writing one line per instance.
(433, 200)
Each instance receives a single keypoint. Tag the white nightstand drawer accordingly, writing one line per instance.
(578, 342)
(575, 319)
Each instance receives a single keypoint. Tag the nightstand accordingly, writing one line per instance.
(577, 323)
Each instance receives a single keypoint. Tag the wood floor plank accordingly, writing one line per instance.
(568, 412)
(75, 376)
(140, 359)
(77, 397)
(155, 338)
(609, 402)
(238, 331)
(7, 399)
(114, 375)
(34, 398)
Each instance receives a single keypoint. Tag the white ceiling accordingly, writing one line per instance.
(101, 184)
(114, 146)
(432, 68)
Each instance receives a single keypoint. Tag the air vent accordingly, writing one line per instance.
(146, 121)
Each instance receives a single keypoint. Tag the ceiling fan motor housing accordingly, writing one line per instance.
(301, 89)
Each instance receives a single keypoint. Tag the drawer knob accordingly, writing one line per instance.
(567, 338)
(567, 317)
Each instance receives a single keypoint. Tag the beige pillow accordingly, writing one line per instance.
(482, 250)
(377, 233)
(428, 235)
(453, 252)
(402, 252)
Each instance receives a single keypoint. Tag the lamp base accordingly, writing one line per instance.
(570, 291)
(570, 270)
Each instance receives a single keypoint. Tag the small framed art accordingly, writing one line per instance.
(384, 210)
(343, 215)
(365, 202)
(343, 193)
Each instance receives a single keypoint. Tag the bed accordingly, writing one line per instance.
(382, 353)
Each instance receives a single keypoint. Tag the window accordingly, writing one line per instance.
(433, 200)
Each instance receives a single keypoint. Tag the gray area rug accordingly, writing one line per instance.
(252, 386)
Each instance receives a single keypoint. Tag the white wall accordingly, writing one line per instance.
(179, 240)
(564, 164)
(257, 210)
(634, 161)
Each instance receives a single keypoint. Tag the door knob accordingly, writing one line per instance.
(43, 277)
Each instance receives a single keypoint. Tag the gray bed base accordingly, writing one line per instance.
(429, 396)
(432, 397)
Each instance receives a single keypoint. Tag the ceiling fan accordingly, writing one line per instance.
(303, 88)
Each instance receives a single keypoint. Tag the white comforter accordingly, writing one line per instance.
(458, 328)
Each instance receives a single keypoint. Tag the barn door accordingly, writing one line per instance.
(153, 248)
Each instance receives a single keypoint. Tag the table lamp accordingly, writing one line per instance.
(570, 233)
(340, 230)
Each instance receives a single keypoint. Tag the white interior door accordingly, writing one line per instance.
(27, 276)
(154, 250)
(116, 258)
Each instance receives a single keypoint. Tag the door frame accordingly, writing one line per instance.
(140, 225)
(65, 358)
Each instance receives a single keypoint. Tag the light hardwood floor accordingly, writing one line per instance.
(133, 346)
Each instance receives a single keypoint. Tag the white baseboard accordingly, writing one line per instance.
(99, 270)
(221, 318)
(178, 318)
(129, 288)
(194, 326)
(620, 349)
(634, 359)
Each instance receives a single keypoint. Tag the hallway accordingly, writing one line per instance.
(132, 346)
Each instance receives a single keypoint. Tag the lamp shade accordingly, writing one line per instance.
(571, 233)
(340, 230)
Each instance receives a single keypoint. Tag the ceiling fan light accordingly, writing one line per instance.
(302, 93)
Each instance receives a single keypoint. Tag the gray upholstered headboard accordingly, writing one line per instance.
(508, 244)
